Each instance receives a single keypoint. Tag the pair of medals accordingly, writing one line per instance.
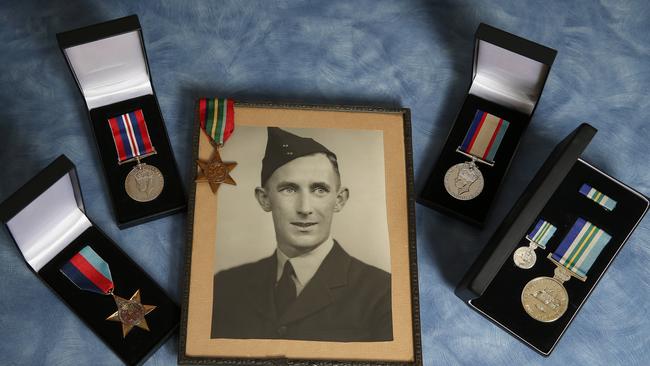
(544, 298)
(89, 272)
(144, 182)
(217, 120)
(464, 181)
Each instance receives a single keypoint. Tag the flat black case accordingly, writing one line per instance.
(129, 212)
(475, 211)
(493, 284)
(127, 276)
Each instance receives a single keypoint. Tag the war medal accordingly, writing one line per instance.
(132, 141)
(217, 119)
(544, 298)
(525, 257)
(89, 272)
(464, 181)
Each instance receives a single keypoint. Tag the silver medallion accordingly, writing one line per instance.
(464, 181)
(144, 183)
(545, 299)
(524, 257)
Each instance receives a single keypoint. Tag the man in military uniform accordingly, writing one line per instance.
(310, 288)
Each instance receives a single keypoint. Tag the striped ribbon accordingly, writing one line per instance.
(217, 118)
(598, 197)
(542, 233)
(484, 136)
(130, 135)
(89, 272)
(581, 247)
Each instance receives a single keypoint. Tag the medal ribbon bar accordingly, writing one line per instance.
(541, 233)
(217, 118)
(580, 248)
(598, 197)
(89, 272)
(484, 137)
(131, 136)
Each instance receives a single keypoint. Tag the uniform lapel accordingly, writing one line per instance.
(316, 295)
(261, 289)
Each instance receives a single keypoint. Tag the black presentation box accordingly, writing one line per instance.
(53, 200)
(109, 64)
(508, 77)
(493, 284)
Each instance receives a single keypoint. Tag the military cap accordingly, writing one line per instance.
(283, 147)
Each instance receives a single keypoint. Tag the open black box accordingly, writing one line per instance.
(47, 221)
(508, 77)
(109, 64)
(493, 284)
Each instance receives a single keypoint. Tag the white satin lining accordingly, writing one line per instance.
(110, 70)
(48, 224)
(508, 78)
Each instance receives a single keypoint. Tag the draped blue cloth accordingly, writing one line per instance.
(415, 54)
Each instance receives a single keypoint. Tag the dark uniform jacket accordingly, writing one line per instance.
(346, 300)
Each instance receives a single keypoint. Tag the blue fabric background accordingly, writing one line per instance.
(414, 54)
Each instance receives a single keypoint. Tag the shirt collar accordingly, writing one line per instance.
(305, 265)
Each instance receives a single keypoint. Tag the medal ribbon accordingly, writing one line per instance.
(130, 135)
(542, 233)
(217, 118)
(484, 136)
(598, 197)
(89, 272)
(580, 248)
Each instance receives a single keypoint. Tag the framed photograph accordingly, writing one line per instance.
(305, 251)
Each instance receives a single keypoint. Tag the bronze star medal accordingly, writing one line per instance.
(217, 120)
(131, 313)
(216, 172)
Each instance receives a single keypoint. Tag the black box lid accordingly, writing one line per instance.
(524, 212)
(108, 61)
(45, 212)
(509, 70)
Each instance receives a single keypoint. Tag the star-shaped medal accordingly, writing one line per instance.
(131, 313)
(216, 172)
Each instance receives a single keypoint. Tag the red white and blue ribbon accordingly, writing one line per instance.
(131, 136)
(598, 197)
(89, 272)
(484, 136)
(580, 248)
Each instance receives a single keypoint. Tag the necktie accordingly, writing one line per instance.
(285, 289)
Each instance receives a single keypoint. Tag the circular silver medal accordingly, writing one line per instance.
(464, 181)
(545, 299)
(524, 257)
(144, 183)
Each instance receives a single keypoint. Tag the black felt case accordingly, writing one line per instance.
(129, 212)
(475, 211)
(127, 276)
(493, 285)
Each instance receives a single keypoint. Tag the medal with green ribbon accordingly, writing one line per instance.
(217, 120)
(525, 257)
(89, 272)
(545, 298)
